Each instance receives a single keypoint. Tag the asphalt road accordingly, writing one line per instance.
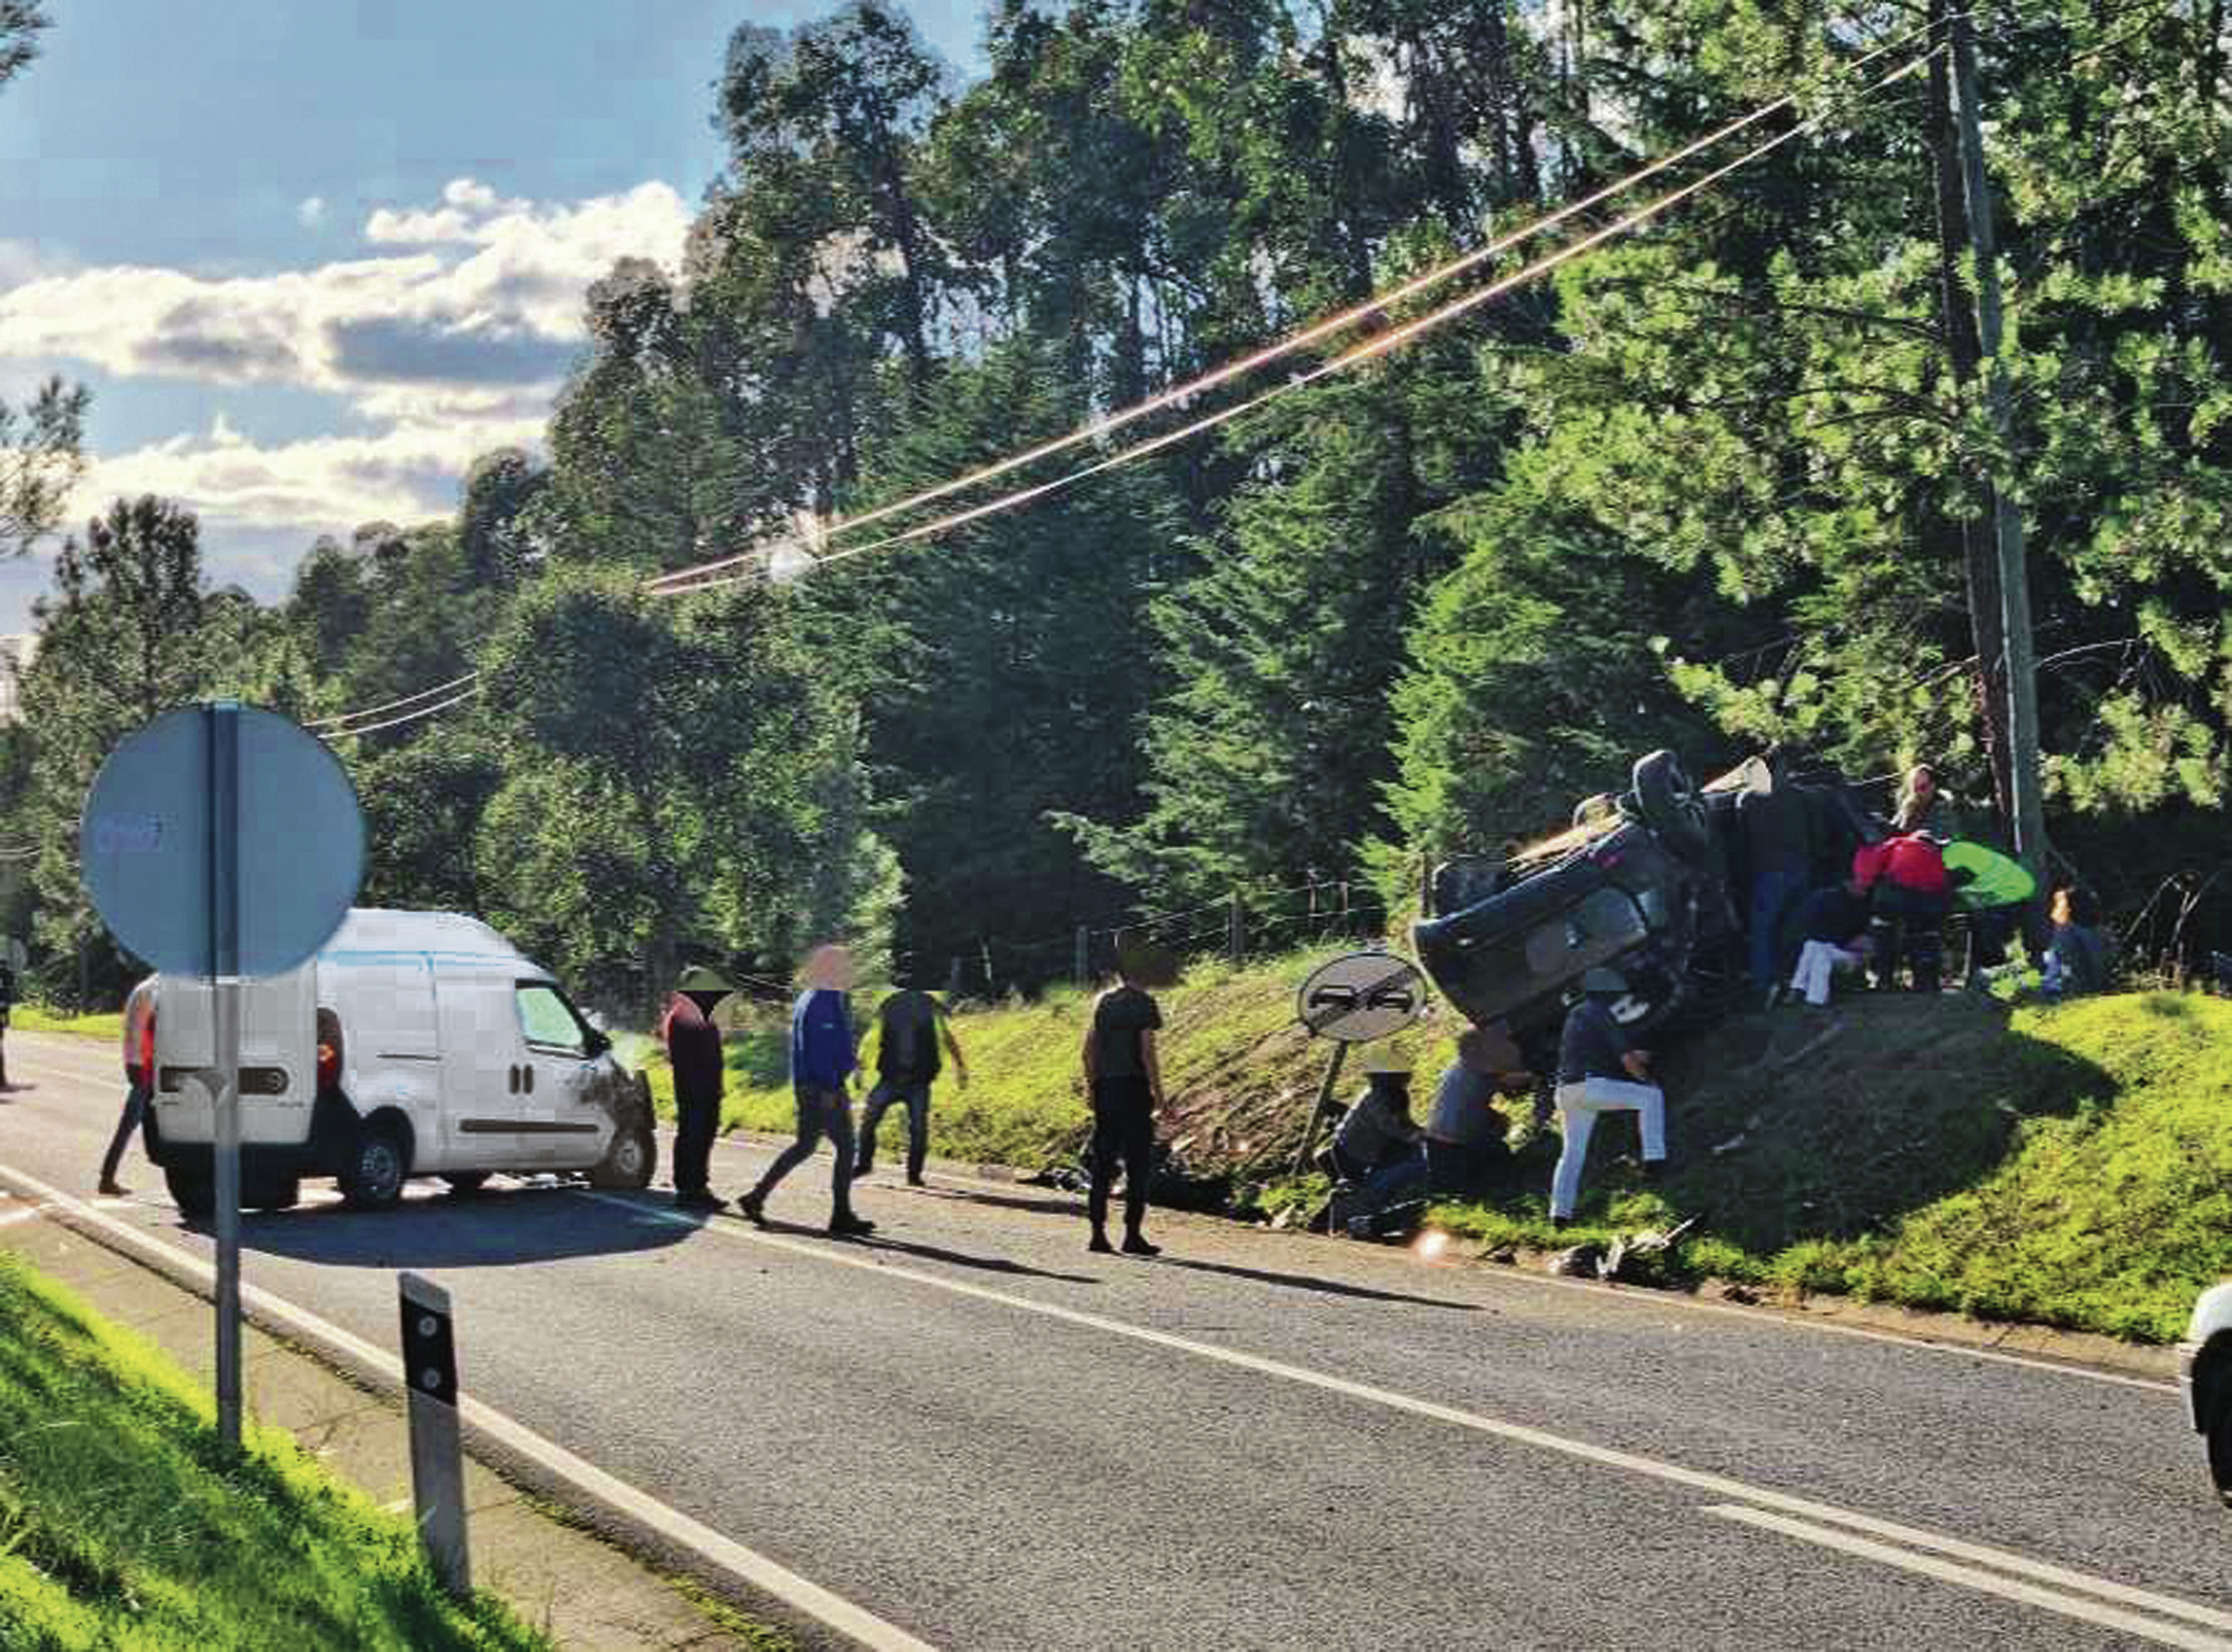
(973, 1428)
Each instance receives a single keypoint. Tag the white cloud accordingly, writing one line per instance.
(449, 338)
(312, 211)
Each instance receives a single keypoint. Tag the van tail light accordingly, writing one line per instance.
(329, 1050)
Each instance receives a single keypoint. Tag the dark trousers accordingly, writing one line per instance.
(917, 1096)
(1122, 1133)
(1454, 1171)
(1911, 926)
(135, 1118)
(820, 1113)
(697, 1121)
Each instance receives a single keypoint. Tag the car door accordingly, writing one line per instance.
(562, 1122)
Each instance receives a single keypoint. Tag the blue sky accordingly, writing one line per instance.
(313, 255)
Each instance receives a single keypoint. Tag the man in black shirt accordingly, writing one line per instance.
(1601, 1070)
(1124, 1075)
(693, 1050)
(1776, 826)
(911, 1026)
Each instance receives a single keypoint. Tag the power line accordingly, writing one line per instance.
(1369, 349)
(374, 711)
(408, 717)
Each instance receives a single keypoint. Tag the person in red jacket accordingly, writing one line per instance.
(139, 1077)
(1911, 893)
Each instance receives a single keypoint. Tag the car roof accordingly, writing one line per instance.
(368, 934)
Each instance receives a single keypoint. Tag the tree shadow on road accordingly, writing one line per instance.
(1306, 1282)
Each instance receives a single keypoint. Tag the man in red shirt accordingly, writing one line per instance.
(693, 1050)
(1911, 893)
(139, 1075)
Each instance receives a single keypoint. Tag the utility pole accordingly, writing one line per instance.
(2025, 806)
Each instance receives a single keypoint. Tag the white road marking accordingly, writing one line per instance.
(1644, 1299)
(724, 1553)
(1969, 1577)
(865, 1258)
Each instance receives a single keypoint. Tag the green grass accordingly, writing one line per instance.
(37, 1018)
(123, 1527)
(2069, 1166)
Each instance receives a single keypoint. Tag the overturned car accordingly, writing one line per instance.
(1648, 883)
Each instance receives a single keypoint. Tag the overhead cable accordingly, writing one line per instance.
(374, 711)
(1178, 395)
(397, 722)
(1368, 350)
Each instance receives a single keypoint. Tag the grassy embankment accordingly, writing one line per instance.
(121, 1527)
(36, 1018)
(2070, 1166)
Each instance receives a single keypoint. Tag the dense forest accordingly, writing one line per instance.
(1714, 484)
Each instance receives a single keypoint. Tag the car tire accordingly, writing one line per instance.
(193, 1194)
(378, 1165)
(465, 1183)
(630, 1162)
(1670, 807)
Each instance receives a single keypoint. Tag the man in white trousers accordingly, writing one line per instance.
(1601, 1070)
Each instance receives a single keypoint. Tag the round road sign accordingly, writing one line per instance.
(157, 857)
(1361, 997)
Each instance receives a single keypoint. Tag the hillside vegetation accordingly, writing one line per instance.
(2070, 1166)
(121, 1527)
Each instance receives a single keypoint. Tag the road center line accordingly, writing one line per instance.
(769, 1576)
(1969, 1577)
(864, 1257)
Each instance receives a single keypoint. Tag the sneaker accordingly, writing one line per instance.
(111, 1188)
(703, 1199)
(1136, 1245)
(916, 1182)
(1100, 1246)
(754, 1204)
(850, 1227)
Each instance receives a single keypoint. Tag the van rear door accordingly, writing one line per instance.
(278, 1058)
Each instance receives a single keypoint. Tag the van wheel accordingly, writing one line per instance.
(377, 1166)
(628, 1163)
(464, 1183)
(194, 1195)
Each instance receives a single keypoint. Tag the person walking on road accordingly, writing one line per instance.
(1124, 1075)
(7, 1006)
(1776, 827)
(1601, 1070)
(693, 1050)
(139, 1076)
(911, 1026)
(822, 1057)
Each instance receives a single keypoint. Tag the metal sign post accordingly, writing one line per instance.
(223, 802)
(429, 1372)
(221, 844)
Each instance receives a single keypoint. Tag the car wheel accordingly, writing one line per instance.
(377, 1165)
(467, 1182)
(2220, 1448)
(194, 1195)
(1670, 806)
(631, 1159)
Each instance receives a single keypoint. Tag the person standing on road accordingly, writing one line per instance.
(911, 1026)
(1124, 1075)
(7, 1006)
(1601, 1070)
(693, 1051)
(139, 1076)
(822, 1057)
(1777, 829)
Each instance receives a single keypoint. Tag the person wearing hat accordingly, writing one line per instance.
(1601, 1070)
(1379, 1147)
(911, 1026)
(822, 1057)
(693, 1050)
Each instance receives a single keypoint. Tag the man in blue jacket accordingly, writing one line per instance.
(821, 1061)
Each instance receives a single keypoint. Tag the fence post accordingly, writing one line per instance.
(1084, 956)
(953, 980)
(1237, 931)
(1347, 928)
(983, 950)
(1426, 881)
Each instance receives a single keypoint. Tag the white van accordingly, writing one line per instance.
(414, 1044)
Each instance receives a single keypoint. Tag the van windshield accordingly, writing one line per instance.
(549, 1021)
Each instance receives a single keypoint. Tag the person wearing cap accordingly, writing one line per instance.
(1379, 1148)
(139, 1081)
(911, 1025)
(1601, 1070)
(693, 1050)
(1123, 1076)
(822, 1057)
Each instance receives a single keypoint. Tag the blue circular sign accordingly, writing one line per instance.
(287, 853)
